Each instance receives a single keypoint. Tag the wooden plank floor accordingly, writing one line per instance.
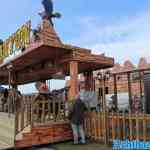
(6, 131)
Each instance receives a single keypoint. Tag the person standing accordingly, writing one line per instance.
(76, 117)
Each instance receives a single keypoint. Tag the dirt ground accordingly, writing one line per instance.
(89, 146)
(70, 146)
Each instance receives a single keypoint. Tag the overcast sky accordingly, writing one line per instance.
(118, 28)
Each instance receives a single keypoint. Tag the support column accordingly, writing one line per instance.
(73, 80)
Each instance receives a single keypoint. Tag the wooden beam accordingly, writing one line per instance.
(41, 74)
(73, 80)
(91, 58)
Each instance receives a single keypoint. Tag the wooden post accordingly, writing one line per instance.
(105, 113)
(129, 91)
(12, 84)
(73, 80)
(141, 91)
(89, 82)
(115, 92)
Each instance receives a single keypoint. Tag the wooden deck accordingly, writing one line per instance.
(6, 131)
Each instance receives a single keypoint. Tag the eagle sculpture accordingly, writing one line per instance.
(48, 11)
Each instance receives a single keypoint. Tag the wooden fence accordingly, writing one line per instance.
(48, 111)
(23, 116)
(38, 112)
(94, 127)
(118, 126)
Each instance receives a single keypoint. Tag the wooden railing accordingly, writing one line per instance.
(119, 126)
(47, 111)
(129, 126)
(33, 112)
(23, 115)
(94, 126)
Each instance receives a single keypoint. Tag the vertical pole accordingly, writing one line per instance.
(9, 84)
(94, 82)
(141, 92)
(115, 91)
(129, 91)
(14, 88)
(105, 112)
(101, 93)
(141, 99)
(12, 84)
(104, 98)
(140, 76)
(86, 80)
(89, 81)
(73, 80)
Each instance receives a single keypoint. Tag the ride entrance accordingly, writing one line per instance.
(40, 55)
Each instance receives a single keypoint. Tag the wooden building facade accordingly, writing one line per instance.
(43, 57)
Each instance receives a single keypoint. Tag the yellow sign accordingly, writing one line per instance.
(16, 41)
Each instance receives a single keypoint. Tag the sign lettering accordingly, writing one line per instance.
(16, 41)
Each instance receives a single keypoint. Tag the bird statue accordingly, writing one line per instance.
(48, 11)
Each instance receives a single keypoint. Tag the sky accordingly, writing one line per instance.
(118, 28)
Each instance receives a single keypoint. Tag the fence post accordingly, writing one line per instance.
(144, 127)
(32, 111)
(113, 126)
(105, 113)
(124, 126)
(130, 126)
(137, 127)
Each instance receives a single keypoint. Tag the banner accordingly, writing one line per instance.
(19, 40)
